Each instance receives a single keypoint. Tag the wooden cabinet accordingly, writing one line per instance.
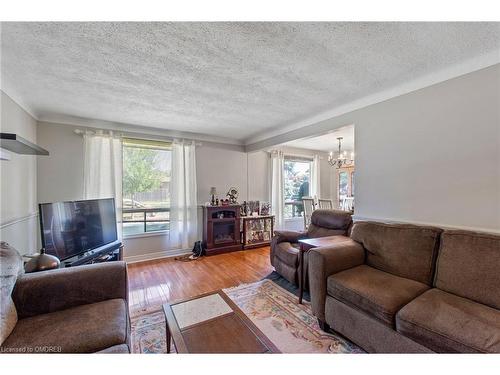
(221, 229)
(257, 231)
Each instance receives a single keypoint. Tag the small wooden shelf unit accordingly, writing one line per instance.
(257, 231)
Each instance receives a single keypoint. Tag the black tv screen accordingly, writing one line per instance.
(71, 228)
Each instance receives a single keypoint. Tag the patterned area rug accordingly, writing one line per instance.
(275, 311)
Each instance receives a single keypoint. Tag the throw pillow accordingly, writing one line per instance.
(11, 266)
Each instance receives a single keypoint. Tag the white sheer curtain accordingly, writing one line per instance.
(315, 178)
(183, 200)
(102, 171)
(277, 188)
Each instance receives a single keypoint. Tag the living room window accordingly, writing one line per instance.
(297, 178)
(147, 167)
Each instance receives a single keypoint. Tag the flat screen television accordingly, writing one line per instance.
(72, 228)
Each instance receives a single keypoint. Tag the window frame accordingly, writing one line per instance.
(152, 144)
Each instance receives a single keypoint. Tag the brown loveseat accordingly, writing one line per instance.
(285, 246)
(407, 288)
(72, 310)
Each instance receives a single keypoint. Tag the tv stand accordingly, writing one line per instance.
(107, 253)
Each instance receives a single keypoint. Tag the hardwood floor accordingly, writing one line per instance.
(153, 283)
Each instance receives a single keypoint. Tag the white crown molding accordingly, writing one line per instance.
(135, 129)
(454, 71)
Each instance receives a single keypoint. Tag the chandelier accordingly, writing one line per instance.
(341, 160)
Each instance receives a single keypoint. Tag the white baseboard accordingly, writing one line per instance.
(444, 226)
(156, 255)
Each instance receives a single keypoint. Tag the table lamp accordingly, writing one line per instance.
(213, 193)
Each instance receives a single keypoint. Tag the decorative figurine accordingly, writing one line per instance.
(265, 208)
(233, 195)
(253, 206)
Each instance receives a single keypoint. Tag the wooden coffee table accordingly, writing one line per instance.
(212, 323)
(306, 245)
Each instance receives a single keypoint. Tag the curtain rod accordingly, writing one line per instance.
(303, 156)
(135, 136)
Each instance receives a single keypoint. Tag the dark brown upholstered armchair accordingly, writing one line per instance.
(285, 246)
(72, 310)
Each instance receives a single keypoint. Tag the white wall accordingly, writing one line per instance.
(61, 173)
(221, 168)
(259, 187)
(433, 156)
(18, 198)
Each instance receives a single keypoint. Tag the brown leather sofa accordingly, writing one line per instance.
(72, 310)
(285, 246)
(406, 288)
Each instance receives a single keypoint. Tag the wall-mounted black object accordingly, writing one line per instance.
(19, 145)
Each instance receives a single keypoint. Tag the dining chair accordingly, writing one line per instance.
(326, 204)
(308, 203)
(347, 204)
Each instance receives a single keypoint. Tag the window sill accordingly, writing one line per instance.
(147, 234)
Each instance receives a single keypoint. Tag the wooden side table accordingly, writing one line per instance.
(308, 244)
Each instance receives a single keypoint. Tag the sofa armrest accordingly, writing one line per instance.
(325, 261)
(49, 291)
(288, 236)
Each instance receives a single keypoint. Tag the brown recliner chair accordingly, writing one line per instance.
(285, 246)
(80, 309)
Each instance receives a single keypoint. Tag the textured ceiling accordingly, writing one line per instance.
(327, 142)
(235, 80)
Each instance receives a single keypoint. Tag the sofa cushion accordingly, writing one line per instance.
(401, 249)
(314, 231)
(331, 219)
(82, 329)
(468, 265)
(375, 292)
(447, 323)
(288, 252)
